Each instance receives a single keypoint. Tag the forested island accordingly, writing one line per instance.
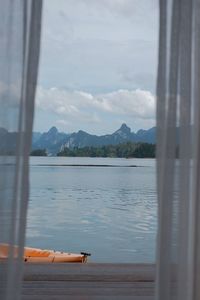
(39, 152)
(125, 150)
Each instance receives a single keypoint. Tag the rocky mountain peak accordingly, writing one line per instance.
(53, 130)
(124, 128)
(123, 131)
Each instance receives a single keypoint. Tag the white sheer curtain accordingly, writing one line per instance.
(20, 23)
(178, 151)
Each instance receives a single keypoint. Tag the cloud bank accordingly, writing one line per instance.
(101, 55)
(137, 106)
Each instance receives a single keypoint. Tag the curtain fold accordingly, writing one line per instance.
(178, 151)
(20, 27)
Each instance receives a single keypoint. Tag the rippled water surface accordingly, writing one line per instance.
(100, 205)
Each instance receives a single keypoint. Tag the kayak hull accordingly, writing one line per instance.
(35, 255)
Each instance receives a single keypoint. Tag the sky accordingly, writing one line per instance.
(98, 65)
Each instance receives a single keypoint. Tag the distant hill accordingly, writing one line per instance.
(54, 141)
(7, 142)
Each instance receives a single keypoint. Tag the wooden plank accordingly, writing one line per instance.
(90, 290)
(88, 282)
(90, 272)
(82, 297)
(65, 284)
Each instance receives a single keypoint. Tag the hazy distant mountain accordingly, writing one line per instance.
(7, 141)
(82, 139)
(54, 141)
(146, 136)
(36, 136)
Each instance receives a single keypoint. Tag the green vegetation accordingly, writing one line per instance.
(127, 150)
(39, 152)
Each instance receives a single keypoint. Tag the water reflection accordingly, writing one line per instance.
(110, 212)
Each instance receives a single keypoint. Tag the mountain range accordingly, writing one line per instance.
(54, 141)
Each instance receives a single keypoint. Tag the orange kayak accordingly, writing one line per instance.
(34, 255)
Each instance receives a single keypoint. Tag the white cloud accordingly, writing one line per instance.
(11, 90)
(102, 54)
(80, 107)
(62, 122)
(10, 96)
(137, 103)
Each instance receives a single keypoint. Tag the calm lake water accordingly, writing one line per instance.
(104, 206)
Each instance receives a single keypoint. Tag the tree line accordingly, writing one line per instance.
(125, 150)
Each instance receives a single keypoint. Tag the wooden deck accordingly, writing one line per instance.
(88, 282)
